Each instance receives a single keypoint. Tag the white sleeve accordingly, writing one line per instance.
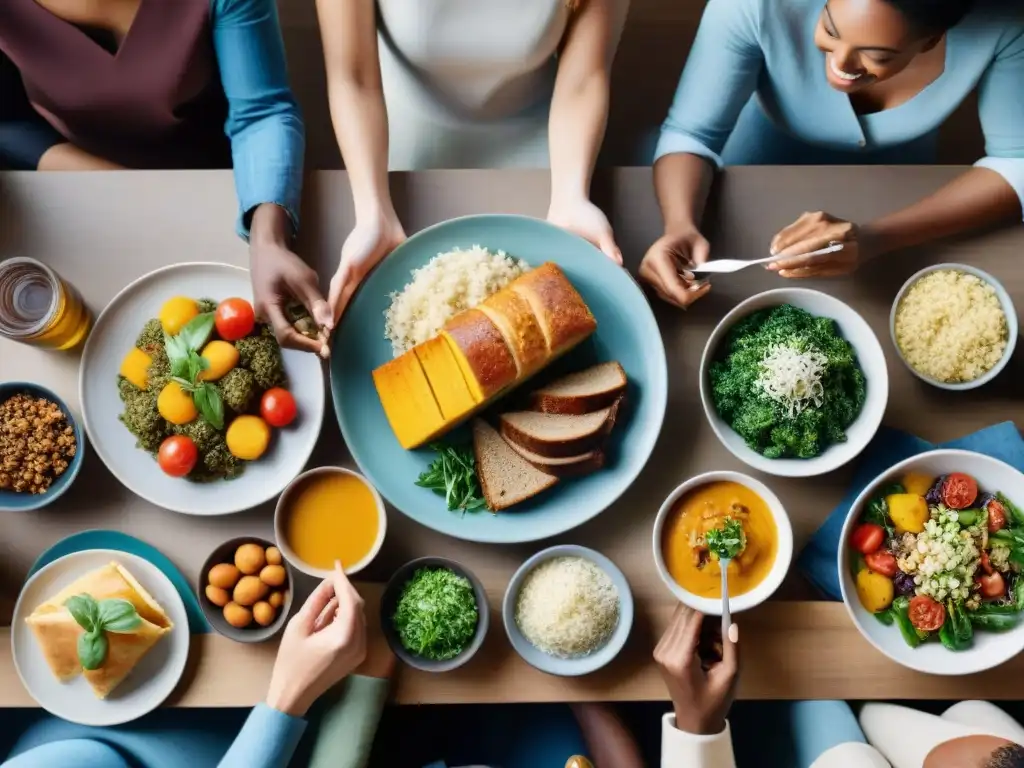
(887, 725)
(680, 749)
(851, 755)
(986, 717)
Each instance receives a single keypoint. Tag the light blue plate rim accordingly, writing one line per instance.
(62, 483)
(593, 271)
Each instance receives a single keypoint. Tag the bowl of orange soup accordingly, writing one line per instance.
(712, 500)
(328, 514)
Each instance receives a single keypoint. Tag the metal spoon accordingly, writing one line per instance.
(723, 266)
(726, 614)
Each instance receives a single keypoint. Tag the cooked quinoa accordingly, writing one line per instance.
(950, 326)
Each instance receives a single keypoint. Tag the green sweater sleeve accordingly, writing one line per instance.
(348, 722)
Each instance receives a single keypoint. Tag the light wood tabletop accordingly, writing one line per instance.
(100, 231)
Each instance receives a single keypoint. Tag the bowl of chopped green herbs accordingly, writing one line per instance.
(794, 382)
(434, 614)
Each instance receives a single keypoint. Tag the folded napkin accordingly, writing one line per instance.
(819, 559)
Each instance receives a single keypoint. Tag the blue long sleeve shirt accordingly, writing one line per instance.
(759, 56)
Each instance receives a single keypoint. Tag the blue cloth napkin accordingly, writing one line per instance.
(819, 559)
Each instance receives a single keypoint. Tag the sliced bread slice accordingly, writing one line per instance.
(582, 392)
(555, 435)
(566, 466)
(506, 478)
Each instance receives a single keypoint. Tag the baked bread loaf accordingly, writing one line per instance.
(483, 355)
(564, 317)
(512, 315)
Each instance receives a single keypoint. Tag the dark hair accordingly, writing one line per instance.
(933, 16)
(1007, 756)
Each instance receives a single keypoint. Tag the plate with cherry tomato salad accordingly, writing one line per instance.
(203, 388)
(939, 559)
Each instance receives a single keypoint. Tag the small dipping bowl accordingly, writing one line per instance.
(389, 601)
(254, 633)
(712, 606)
(284, 509)
(579, 665)
(1004, 301)
(10, 501)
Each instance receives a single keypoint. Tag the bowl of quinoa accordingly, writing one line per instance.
(954, 326)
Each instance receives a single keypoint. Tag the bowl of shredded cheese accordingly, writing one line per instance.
(954, 326)
(568, 610)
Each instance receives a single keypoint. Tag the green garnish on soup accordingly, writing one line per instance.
(727, 541)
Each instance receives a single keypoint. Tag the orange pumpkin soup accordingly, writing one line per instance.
(685, 550)
(332, 517)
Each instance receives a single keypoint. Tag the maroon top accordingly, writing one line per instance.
(157, 102)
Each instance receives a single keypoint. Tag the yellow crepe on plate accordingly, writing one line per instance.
(57, 632)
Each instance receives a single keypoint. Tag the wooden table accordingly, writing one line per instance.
(101, 231)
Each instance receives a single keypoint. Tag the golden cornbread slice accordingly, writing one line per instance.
(446, 379)
(481, 352)
(408, 401)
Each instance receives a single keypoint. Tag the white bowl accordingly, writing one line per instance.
(869, 354)
(1008, 310)
(783, 557)
(990, 649)
(281, 512)
(114, 334)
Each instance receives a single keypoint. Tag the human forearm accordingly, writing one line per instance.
(682, 182)
(68, 157)
(361, 127)
(977, 199)
(608, 740)
(576, 126)
(270, 225)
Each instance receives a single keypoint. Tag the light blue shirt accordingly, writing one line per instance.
(264, 123)
(754, 69)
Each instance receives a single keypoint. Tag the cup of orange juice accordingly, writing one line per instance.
(40, 308)
(328, 514)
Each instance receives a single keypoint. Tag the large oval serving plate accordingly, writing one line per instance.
(147, 685)
(115, 332)
(626, 332)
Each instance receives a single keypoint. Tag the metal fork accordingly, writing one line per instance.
(723, 266)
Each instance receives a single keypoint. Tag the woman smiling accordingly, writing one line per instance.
(847, 82)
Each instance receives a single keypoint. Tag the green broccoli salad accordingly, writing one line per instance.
(787, 382)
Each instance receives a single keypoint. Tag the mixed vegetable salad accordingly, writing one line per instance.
(940, 559)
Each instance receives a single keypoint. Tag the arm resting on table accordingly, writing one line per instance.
(348, 723)
(267, 740)
(264, 124)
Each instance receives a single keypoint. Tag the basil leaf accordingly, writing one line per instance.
(185, 384)
(196, 365)
(177, 355)
(209, 404)
(117, 615)
(196, 331)
(84, 611)
(92, 649)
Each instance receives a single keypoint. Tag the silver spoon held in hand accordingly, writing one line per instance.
(726, 542)
(724, 266)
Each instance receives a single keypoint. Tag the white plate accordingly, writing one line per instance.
(114, 334)
(855, 330)
(146, 686)
(990, 649)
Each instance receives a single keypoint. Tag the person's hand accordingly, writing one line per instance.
(812, 232)
(279, 277)
(701, 698)
(322, 644)
(366, 245)
(583, 218)
(665, 263)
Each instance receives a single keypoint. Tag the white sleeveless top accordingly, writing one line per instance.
(468, 83)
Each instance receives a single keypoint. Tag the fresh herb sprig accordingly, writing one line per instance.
(453, 475)
(436, 616)
(187, 364)
(97, 617)
(728, 540)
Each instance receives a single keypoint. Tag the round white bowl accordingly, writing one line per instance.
(582, 665)
(281, 512)
(783, 558)
(1008, 310)
(990, 649)
(869, 354)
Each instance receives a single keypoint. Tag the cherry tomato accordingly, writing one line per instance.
(882, 562)
(234, 319)
(926, 614)
(177, 455)
(278, 407)
(996, 516)
(959, 490)
(867, 538)
(986, 564)
(992, 585)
